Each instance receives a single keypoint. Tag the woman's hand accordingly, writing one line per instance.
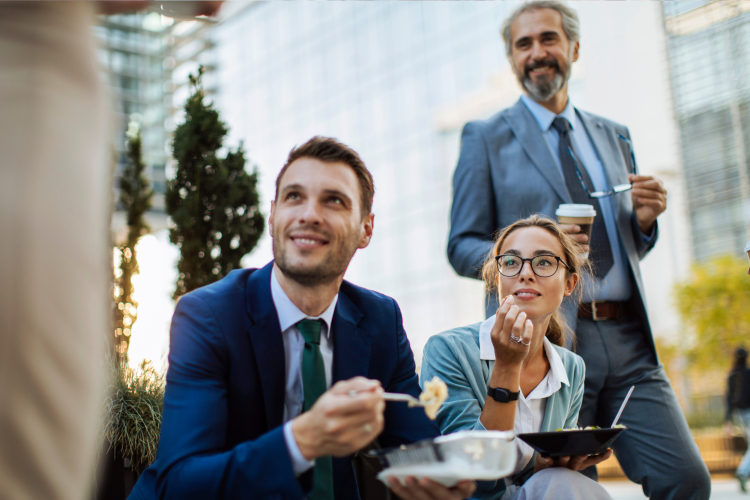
(575, 463)
(510, 321)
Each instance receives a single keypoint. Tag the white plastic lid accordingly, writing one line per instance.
(747, 247)
(575, 210)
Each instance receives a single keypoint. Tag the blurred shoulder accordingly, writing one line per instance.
(232, 283)
(375, 306)
(605, 122)
(229, 293)
(490, 126)
(463, 340)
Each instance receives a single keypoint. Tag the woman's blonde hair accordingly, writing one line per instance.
(558, 331)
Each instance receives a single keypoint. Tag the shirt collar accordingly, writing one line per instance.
(290, 314)
(487, 351)
(544, 117)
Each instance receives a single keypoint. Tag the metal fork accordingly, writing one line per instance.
(394, 396)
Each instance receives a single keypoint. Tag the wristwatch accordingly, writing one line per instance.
(502, 395)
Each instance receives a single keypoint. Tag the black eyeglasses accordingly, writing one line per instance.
(615, 190)
(543, 266)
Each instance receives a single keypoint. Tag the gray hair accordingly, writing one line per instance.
(570, 23)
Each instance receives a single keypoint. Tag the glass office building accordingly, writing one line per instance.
(397, 81)
(374, 75)
(709, 55)
(145, 58)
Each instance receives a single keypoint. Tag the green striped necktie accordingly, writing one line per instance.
(314, 383)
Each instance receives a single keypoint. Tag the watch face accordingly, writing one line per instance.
(502, 396)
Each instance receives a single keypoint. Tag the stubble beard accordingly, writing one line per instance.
(328, 271)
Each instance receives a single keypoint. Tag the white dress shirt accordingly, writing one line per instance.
(289, 315)
(529, 409)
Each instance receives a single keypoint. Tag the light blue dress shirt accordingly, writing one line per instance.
(616, 284)
(289, 315)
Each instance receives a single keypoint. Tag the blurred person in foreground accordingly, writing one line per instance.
(738, 400)
(528, 159)
(521, 352)
(55, 180)
(276, 374)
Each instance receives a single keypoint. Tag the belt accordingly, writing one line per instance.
(600, 310)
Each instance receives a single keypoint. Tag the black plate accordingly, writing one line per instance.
(569, 443)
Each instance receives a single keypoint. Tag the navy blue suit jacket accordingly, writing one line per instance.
(221, 435)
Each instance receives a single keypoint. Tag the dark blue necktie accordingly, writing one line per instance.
(601, 251)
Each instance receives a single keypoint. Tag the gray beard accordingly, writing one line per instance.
(545, 89)
(322, 274)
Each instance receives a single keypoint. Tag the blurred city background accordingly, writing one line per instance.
(397, 81)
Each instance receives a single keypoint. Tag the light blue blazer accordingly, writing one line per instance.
(454, 357)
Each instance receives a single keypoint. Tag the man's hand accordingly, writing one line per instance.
(649, 200)
(426, 489)
(574, 231)
(575, 463)
(339, 424)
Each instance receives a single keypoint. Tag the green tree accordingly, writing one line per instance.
(213, 201)
(714, 304)
(135, 198)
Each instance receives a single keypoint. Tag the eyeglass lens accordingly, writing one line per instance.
(543, 266)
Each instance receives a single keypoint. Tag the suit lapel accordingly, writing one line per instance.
(351, 345)
(613, 162)
(268, 346)
(527, 133)
(608, 153)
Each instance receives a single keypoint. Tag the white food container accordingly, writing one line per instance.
(475, 455)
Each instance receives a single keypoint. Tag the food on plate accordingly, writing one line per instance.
(589, 428)
(436, 392)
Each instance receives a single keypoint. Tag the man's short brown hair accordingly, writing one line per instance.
(329, 150)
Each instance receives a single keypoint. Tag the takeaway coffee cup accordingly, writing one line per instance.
(581, 215)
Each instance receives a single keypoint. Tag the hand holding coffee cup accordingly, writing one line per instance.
(578, 221)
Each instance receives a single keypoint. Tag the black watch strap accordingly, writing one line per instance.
(502, 395)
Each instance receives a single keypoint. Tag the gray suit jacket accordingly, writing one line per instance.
(506, 172)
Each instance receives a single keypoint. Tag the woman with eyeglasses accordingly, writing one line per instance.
(512, 371)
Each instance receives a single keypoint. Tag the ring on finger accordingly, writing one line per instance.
(367, 428)
(518, 340)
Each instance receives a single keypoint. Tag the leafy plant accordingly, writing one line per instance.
(135, 197)
(714, 304)
(133, 412)
(212, 201)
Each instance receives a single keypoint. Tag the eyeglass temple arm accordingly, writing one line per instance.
(630, 148)
(578, 172)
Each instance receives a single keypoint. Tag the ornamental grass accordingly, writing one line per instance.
(133, 412)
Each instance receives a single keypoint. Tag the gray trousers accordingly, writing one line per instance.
(657, 451)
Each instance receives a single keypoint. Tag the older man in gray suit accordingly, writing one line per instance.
(527, 159)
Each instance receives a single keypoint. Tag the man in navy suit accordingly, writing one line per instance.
(276, 375)
(543, 152)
